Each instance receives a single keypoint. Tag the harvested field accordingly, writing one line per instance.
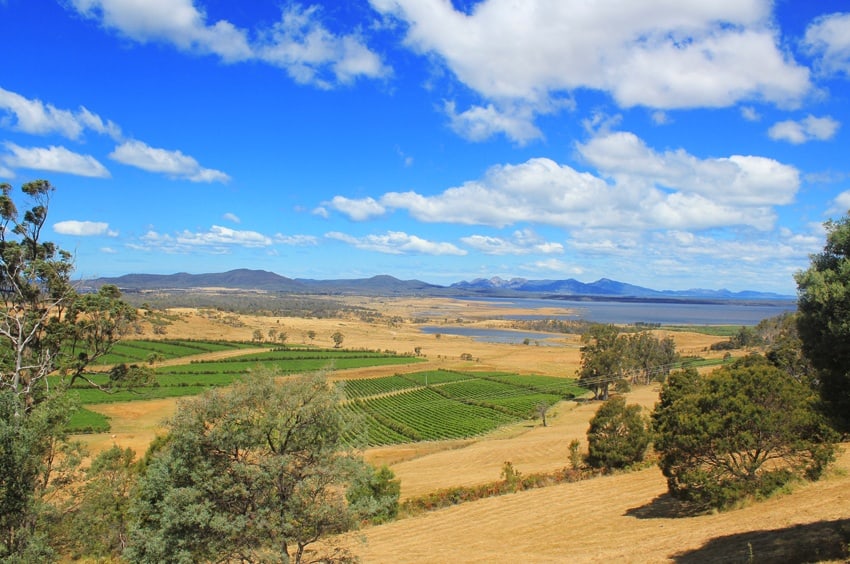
(624, 517)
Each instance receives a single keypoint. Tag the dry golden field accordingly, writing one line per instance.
(620, 518)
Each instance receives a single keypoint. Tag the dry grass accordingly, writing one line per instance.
(621, 518)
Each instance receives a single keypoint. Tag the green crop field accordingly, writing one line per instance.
(138, 351)
(426, 405)
(434, 405)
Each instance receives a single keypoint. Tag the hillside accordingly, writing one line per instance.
(384, 285)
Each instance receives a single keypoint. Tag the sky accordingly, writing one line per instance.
(671, 144)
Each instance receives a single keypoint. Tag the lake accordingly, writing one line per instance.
(665, 313)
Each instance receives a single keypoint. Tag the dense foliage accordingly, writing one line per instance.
(258, 471)
(46, 328)
(745, 430)
(609, 357)
(823, 302)
(618, 435)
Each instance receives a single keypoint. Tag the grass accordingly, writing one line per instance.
(86, 421)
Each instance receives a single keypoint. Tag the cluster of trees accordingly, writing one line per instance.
(748, 428)
(612, 358)
(257, 472)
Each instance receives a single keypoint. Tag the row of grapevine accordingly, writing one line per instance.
(434, 417)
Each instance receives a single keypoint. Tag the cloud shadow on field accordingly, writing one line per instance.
(811, 542)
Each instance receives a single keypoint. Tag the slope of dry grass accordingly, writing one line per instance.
(621, 518)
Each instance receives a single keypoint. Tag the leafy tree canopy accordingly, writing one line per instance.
(823, 303)
(745, 430)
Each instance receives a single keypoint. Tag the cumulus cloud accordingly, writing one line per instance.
(83, 228)
(733, 180)
(171, 163)
(217, 240)
(828, 39)
(311, 54)
(357, 210)
(523, 242)
(299, 43)
(53, 159)
(37, 118)
(636, 187)
(397, 243)
(654, 53)
(810, 128)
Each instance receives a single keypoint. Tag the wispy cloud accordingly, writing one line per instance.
(522, 243)
(298, 43)
(171, 163)
(38, 118)
(810, 128)
(396, 243)
(53, 159)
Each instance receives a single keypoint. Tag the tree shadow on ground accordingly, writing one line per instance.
(664, 506)
(812, 542)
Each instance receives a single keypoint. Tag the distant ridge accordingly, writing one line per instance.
(385, 285)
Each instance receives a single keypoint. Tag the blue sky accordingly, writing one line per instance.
(670, 144)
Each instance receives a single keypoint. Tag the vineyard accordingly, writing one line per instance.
(436, 405)
(194, 377)
(421, 406)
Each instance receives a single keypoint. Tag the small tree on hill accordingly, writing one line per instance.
(745, 430)
(337, 338)
(618, 435)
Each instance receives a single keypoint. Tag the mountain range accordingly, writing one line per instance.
(384, 285)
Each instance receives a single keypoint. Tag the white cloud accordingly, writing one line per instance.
(296, 240)
(841, 204)
(733, 180)
(311, 54)
(173, 21)
(217, 240)
(298, 43)
(232, 217)
(556, 266)
(397, 243)
(37, 118)
(828, 38)
(171, 163)
(83, 228)
(357, 210)
(749, 113)
(636, 187)
(53, 159)
(653, 53)
(523, 243)
(480, 123)
(810, 128)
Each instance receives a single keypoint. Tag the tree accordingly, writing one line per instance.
(745, 430)
(823, 321)
(46, 328)
(256, 471)
(618, 435)
(337, 338)
(96, 523)
(602, 359)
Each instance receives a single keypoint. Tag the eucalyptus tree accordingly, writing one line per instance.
(49, 334)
